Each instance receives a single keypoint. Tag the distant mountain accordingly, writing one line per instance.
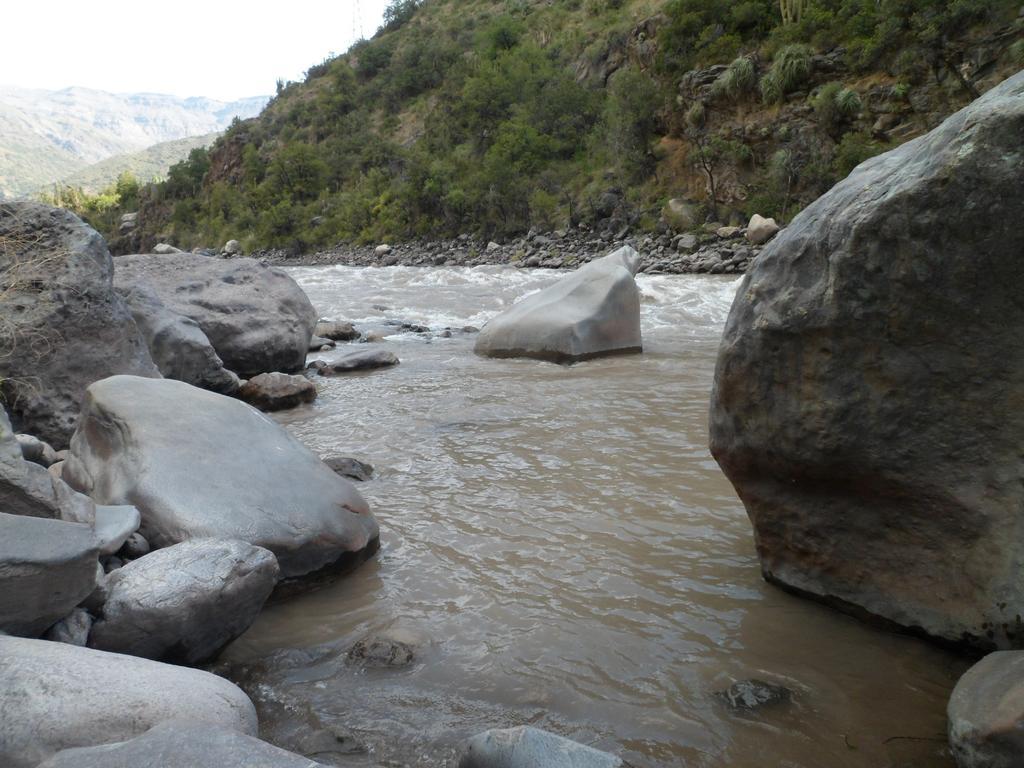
(47, 135)
(150, 164)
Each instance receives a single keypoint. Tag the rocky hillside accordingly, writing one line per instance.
(492, 117)
(47, 135)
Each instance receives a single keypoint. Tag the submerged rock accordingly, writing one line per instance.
(526, 747)
(277, 391)
(55, 696)
(593, 312)
(62, 325)
(183, 604)
(138, 442)
(350, 468)
(986, 713)
(746, 696)
(865, 400)
(363, 360)
(256, 317)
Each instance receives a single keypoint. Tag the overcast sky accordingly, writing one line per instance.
(224, 50)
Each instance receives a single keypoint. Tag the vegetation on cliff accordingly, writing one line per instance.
(495, 116)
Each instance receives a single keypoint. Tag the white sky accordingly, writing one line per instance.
(223, 50)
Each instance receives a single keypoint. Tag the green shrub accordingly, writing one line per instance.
(834, 105)
(696, 115)
(853, 150)
(738, 79)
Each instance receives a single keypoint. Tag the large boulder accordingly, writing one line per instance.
(47, 567)
(183, 604)
(182, 744)
(62, 326)
(138, 443)
(526, 747)
(593, 312)
(257, 318)
(986, 713)
(865, 403)
(177, 344)
(55, 696)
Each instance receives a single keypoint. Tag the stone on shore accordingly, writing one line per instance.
(47, 567)
(591, 313)
(165, 249)
(986, 713)
(761, 230)
(62, 325)
(176, 343)
(363, 360)
(55, 696)
(182, 744)
(336, 330)
(527, 747)
(138, 443)
(277, 391)
(183, 604)
(256, 317)
(232, 248)
(865, 403)
(37, 451)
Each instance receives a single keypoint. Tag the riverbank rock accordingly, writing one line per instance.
(55, 696)
(257, 318)
(336, 330)
(526, 747)
(593, 312)
(986, 713)
(277, 391)
(183, 604)
(865, 398)
(363, 360)
(62, 326)
(177, 344)
(182, 744)
(138, 443)
(761, 230)
(47, 567)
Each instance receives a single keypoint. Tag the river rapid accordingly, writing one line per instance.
(565, 553)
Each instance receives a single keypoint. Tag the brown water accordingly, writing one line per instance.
(570, 555)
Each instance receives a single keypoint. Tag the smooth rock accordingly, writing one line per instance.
(277, 391)
(527, 747)
(165, 249)
(37, 451)
(113, 525)
(727, 233)
(865, 403)
(176, 343)
(182, 744)
(364, 359)
(336, 330)
(320, 343)
(593, 312)
(256, 317)
(232, 248)
(72, 629)
(986, 713)
(138, 441)
(382, 249)
(47, 567)
(134, 547)
(350, 468)
(761, 230)
(183, 604)
(62, 325)
(55, 696)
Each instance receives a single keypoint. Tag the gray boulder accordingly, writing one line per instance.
(363, 360)
(318, 343)
(865, 398)
(761, 230)
(593, 312)
(62, 326)
(182, 744)
(526, 747)
(183, 604)
(232, 248)
(37, 451)
(165, 249)
(73, 628)
(138, 441)
(176, 343)
(353, 469)
(986, 713)
(55, 696)
(47, 567)
(256, 317)
(277, 391)
(336, 330)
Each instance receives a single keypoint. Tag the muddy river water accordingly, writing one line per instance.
(563, 551)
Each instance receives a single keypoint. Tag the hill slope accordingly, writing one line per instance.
(46, 135)
(495, 116)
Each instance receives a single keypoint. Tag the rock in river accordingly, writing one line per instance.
(595, 311)
(183, 604)
(62, 326)
(363, 360)
(55, 696)
(986, 713)
(526, 747)
(866, 399)
(277, 391)
(256, 317)
(138, 443)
